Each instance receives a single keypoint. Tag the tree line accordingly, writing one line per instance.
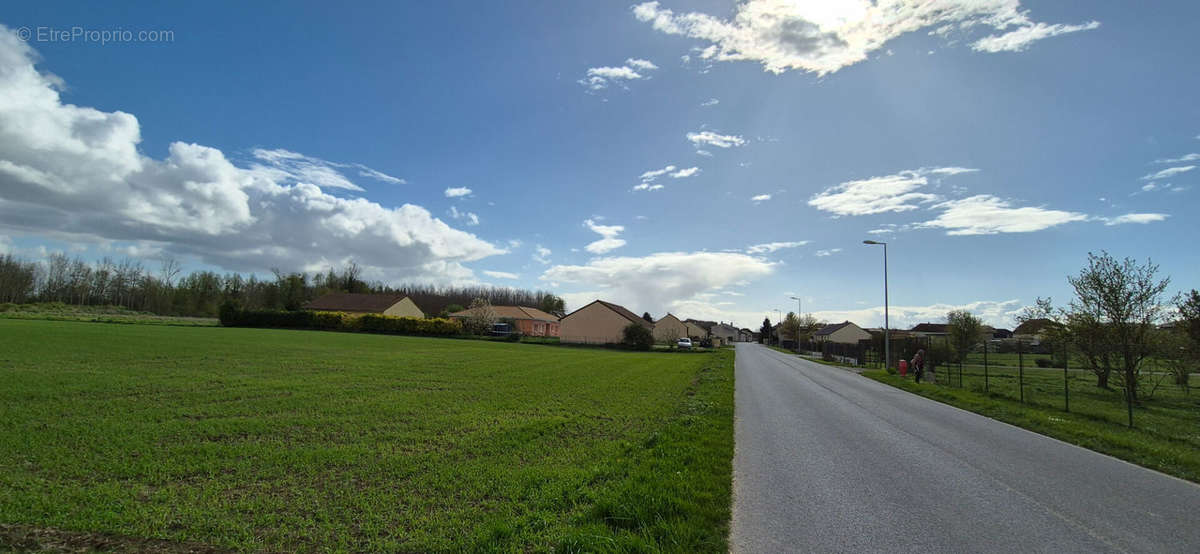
(165, 290)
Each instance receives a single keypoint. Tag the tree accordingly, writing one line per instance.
(790, 328)
(482, 317)
(964, 331)
(552, 304)
(637, 336)
(646, 316)
(765, 331)
(1121, 302)
(1189, 316)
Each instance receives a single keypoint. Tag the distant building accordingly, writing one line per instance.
(844, 333)
(598, 323)
(726, 333)
(930, 330)
(695, 332)
(528, 321)
(669, 329)
(354, 303)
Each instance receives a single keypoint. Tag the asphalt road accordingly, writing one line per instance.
(827, 460)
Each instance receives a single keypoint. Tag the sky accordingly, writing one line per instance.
(708, 159)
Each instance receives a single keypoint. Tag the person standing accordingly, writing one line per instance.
(917, 366)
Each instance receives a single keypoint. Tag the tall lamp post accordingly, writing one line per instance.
(799, 314)
(887, 338)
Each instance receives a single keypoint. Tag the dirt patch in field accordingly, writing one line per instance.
(27, 538)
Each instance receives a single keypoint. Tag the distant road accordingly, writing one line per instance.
(827, 460)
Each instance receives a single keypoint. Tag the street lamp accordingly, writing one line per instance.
(799, 313)
(887, 338)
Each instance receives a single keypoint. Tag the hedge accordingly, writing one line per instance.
(338, 321)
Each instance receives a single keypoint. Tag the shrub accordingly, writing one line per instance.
(637, 337)
(1043, 362)
(231, 316)
(372, 323)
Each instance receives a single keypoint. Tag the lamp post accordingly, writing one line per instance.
(799, 313)
(887, 337)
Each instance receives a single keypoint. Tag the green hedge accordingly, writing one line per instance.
(338, 321)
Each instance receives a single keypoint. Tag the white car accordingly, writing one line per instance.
(684, 343)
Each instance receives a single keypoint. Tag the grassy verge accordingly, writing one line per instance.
(56, 311)
(815, 359)
(1166, 436)
(258, 439)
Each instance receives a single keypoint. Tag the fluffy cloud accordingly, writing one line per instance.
(823, 37)
(769, 247)
(1168, 172)
(599, 78)
(760, 198)
(647, 186)
(456, 192)
(1182, 159)
(996, 313)
(987, 215)
(710, 102)
(1134, 218)
(710, 138)
(656, 173)
(830, 252)
(609, 242)
(75, 172)
(658, 283)
(888, 193)
(685, 172)
(500, 274)
(541, 255)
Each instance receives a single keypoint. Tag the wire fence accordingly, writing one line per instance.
(1034, 373)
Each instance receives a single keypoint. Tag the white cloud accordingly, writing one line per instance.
(609, 242)
(599, 78)
(500, 274)
(823, 37)
(1168, 172)
(456, 192)
(992, 312)
(704, 153)
(470, 218)
(75, 172)
(769, 247)
(647, 186)
(710, 102)
(1134, 218)
(760, 198)
(986, 215)
(1022, 37)
(1182, 159)
(888, 193)
(656, 173)
(661, 282)
(686, 172)
(514, 243)
(541, 254)
(714, 139)
(1149, 187)
(644, 65)
(830, 252)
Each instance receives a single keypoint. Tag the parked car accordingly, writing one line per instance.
(684, 343)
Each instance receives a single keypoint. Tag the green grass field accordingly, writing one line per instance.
(57, 311)
(253, 439)
(1166, 436)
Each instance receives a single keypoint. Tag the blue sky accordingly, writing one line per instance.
(710, 159)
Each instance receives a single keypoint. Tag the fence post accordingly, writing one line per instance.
(960, 373)
(1066, 381)
(1129, 403)
(1021, 369)
(985, 367)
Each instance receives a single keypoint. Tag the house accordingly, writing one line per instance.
(695, 332)
(354, 303)
(930, 330)
(1033, 330)
(670, 329)
(745, 335)
(529, 321)
(598, 323)
(1001, 334)
(727, 333)
(843, 333)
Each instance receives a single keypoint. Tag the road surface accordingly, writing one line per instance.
(827, 460)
